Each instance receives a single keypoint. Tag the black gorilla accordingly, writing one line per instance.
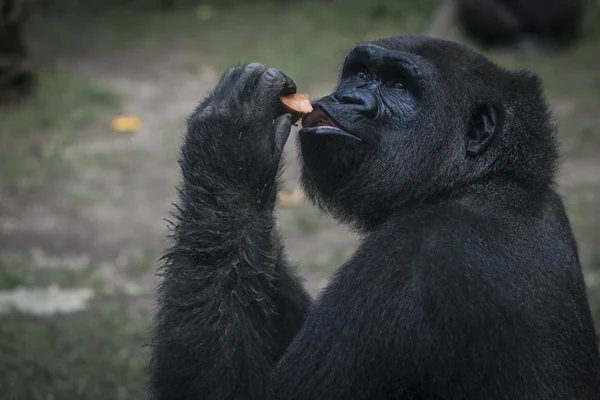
(467, 283)
(16, 78)
(508, 22)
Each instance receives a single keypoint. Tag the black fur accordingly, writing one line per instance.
(467, 283)
(508, 22)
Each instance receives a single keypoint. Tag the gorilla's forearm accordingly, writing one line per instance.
(222, 319)
(292, 306)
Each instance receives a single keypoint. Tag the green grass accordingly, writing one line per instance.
(303, 39)
(78, 197)
(20, 275)
(94, 354)
(306, 220)
(33, 134)
(326, 262)
(12, 277)
(104, 160)
(143, 261)
(17, 270)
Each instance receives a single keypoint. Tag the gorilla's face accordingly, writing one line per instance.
(378, 140)
(377, 95)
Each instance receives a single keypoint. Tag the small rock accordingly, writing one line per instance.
(45, 301)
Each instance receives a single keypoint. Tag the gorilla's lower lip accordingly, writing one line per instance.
(320, 122)
(328, 130)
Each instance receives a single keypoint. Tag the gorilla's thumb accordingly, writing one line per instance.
(283, 125)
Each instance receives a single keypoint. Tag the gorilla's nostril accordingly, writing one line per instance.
(363, 101)
(351, 98)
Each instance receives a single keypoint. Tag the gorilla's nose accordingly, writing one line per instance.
(363, 101)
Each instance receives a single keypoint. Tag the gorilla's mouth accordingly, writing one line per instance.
(317, 119)
(319, 122)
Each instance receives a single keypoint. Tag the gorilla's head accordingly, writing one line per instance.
(414, 119)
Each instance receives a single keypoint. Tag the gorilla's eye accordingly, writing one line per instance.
(397, 85)
(362, 75)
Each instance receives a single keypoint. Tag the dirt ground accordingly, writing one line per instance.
(100, 225)
(127, 201)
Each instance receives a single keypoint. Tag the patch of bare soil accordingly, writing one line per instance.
(128, 179)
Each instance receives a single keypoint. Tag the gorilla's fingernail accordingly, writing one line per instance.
(290, 87)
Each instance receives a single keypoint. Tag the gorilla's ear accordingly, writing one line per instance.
(485, 123)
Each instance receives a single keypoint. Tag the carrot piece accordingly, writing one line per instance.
(297, 104)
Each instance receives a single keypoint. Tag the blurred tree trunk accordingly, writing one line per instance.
(444, 22)
(15, 78)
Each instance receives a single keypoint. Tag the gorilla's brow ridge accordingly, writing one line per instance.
(387, 56)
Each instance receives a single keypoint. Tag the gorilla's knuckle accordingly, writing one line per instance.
(232, 72)
(275, 75)
(272, 81)
(255, 66)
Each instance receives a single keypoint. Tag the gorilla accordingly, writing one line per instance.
(546, 23)
(16, 78)
(466, 284)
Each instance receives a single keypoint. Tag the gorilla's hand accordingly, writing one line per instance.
(237, 134)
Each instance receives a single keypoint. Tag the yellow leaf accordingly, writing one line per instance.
(125, 123)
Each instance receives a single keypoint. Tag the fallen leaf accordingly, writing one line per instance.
(126, 123)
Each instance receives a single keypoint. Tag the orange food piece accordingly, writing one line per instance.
(298, 104)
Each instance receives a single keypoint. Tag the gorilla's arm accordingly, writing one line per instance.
(292, 304)
(228, 304)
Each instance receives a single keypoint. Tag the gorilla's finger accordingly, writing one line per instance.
(255, 66)
(253, 72)
(249, 80)
(290, 86)
(228, 81)
(242, 77)
(278, 77)
(274, 83)
(231, 75)
(283, 125)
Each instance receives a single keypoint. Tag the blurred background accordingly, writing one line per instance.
(93, 98)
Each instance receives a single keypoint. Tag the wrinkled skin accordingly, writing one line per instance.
(466, 284)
